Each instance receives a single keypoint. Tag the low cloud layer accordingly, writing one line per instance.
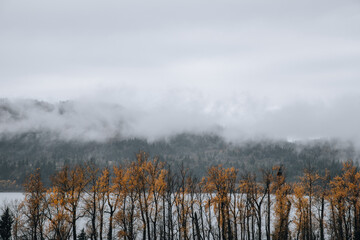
(243, 69)
(236, 120)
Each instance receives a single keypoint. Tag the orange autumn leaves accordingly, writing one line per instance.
(147, 199)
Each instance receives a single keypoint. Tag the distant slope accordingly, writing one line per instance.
(21, 154)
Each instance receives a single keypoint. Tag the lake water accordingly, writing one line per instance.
(8, 197)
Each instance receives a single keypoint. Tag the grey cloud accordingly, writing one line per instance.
(66, 120)
(237, 119)
(241, 68)
(53, 37)
(336, 119)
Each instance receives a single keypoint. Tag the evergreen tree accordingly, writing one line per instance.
(6, 222)
(82, 235)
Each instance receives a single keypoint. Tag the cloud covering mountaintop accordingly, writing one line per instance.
(240, 121)
(242, 69)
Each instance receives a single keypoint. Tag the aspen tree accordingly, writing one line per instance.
(130, 202)
(309, 181)
(35, 204)
(208, 203)
(351, 177)
(338, 207)
(150, 185)
(114, 196)
(200, 198)
(19, 225)
(59, 226)
(169, 201)
(300, 204)
(303, 199)
(142, 191)
(344, 203)
(182, 204)
(321, 193)
(103, 186)
(191, 189)
(282, 206)
(267, 176)
(156, 180)
(255, 195)
(70, 185)
(221, 182)
(91, 199)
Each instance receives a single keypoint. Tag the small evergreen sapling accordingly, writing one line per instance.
(6, 222)
(82, 235)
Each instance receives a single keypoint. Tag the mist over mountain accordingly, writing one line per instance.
(38, 134)
(236, 121)
(66, 120)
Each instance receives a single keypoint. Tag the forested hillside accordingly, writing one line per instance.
(21, 154)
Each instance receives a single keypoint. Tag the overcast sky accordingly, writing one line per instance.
(284, 69)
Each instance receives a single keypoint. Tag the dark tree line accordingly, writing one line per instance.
(22, 154)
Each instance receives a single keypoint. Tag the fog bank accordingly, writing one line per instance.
(236, 119)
